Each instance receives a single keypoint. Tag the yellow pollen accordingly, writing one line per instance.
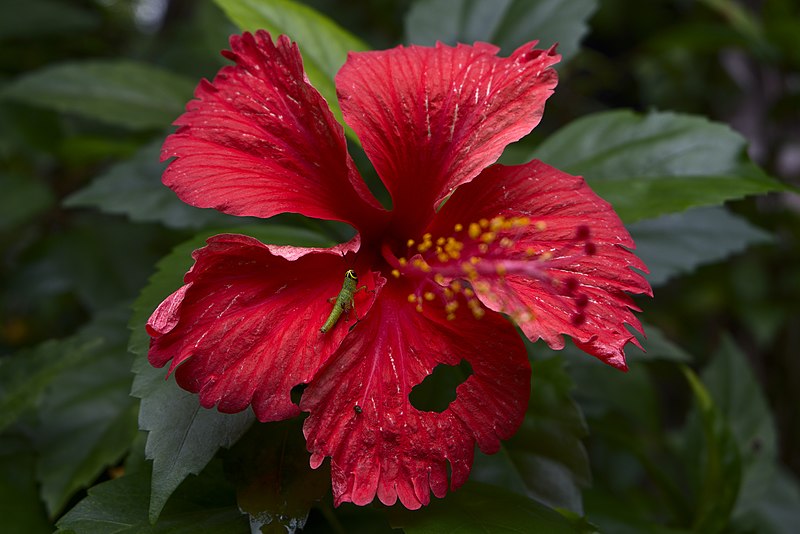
(410, 243)
(484, 223)
(497, 223)
(540, 225)
(501, 269)
(418, 308)
(478, 312)
(429, 296)
(438, 278)
(412, 298)
(488, 237)
(442, 257)
(468, 292)
(530, 251)
(474, 260)
(544, 256)
(451, 316)
(448, 293)
(440, 241)
(474, 230)
(522, 221)
(506, 242)
(458, 227)
(483, 248)
(403, 262)
(470, 271)
(395, 273)
(450, 307)
(455, 285)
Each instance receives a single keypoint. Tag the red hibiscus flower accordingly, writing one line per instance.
(466, 242)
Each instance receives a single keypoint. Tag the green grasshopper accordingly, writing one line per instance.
(344, 300)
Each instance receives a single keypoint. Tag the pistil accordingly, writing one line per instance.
(479, 257)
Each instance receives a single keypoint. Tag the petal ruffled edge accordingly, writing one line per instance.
(245, 328)
(260, 140)
(379, 443)
(432, 118)
(561, 262)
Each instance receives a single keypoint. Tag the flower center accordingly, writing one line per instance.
(483, 256)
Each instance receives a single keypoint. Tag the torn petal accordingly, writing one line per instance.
(379, 443)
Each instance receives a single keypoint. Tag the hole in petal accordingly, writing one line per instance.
(438, 390)
(297, 393)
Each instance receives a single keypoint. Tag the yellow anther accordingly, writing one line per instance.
(530, 251)
(483, 248)
(418, 307)
(468, 292)
(522, 221)
(450, 307)
(478, 312)
(442, 257)
(501, 269)
(455, 285)
(412, 297)
(395, 273)
(410, 243)
(440, 241)
(541, 225)
(484, 223)
(448, 293)
(429, 296)
(427, 237)
(497, 223)
(488, 237)
(474, 260)
(458, 227)
(450, 316)
(506, 242)
(438, 278)
(545, 255)
(403, 262)
(474, 230)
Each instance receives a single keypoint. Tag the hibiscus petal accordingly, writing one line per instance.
(245, 329)
(362, 418)
(260, 140)
(575, 248)
(432, 118)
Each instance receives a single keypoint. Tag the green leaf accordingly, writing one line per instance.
(778, 509)
(738, 397)
(183, 437)
(680, 242)
(657, 347)
(133, 188)
(120, 506)
(29, 19)
(720, 466)
(506, 23)
(275, 483)
(480, 507)
(123, 93)
(546, 459)
(20, 507)
(87, 419)
(650, 165)
(25, 375)
(323, 44)
(23, 199)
